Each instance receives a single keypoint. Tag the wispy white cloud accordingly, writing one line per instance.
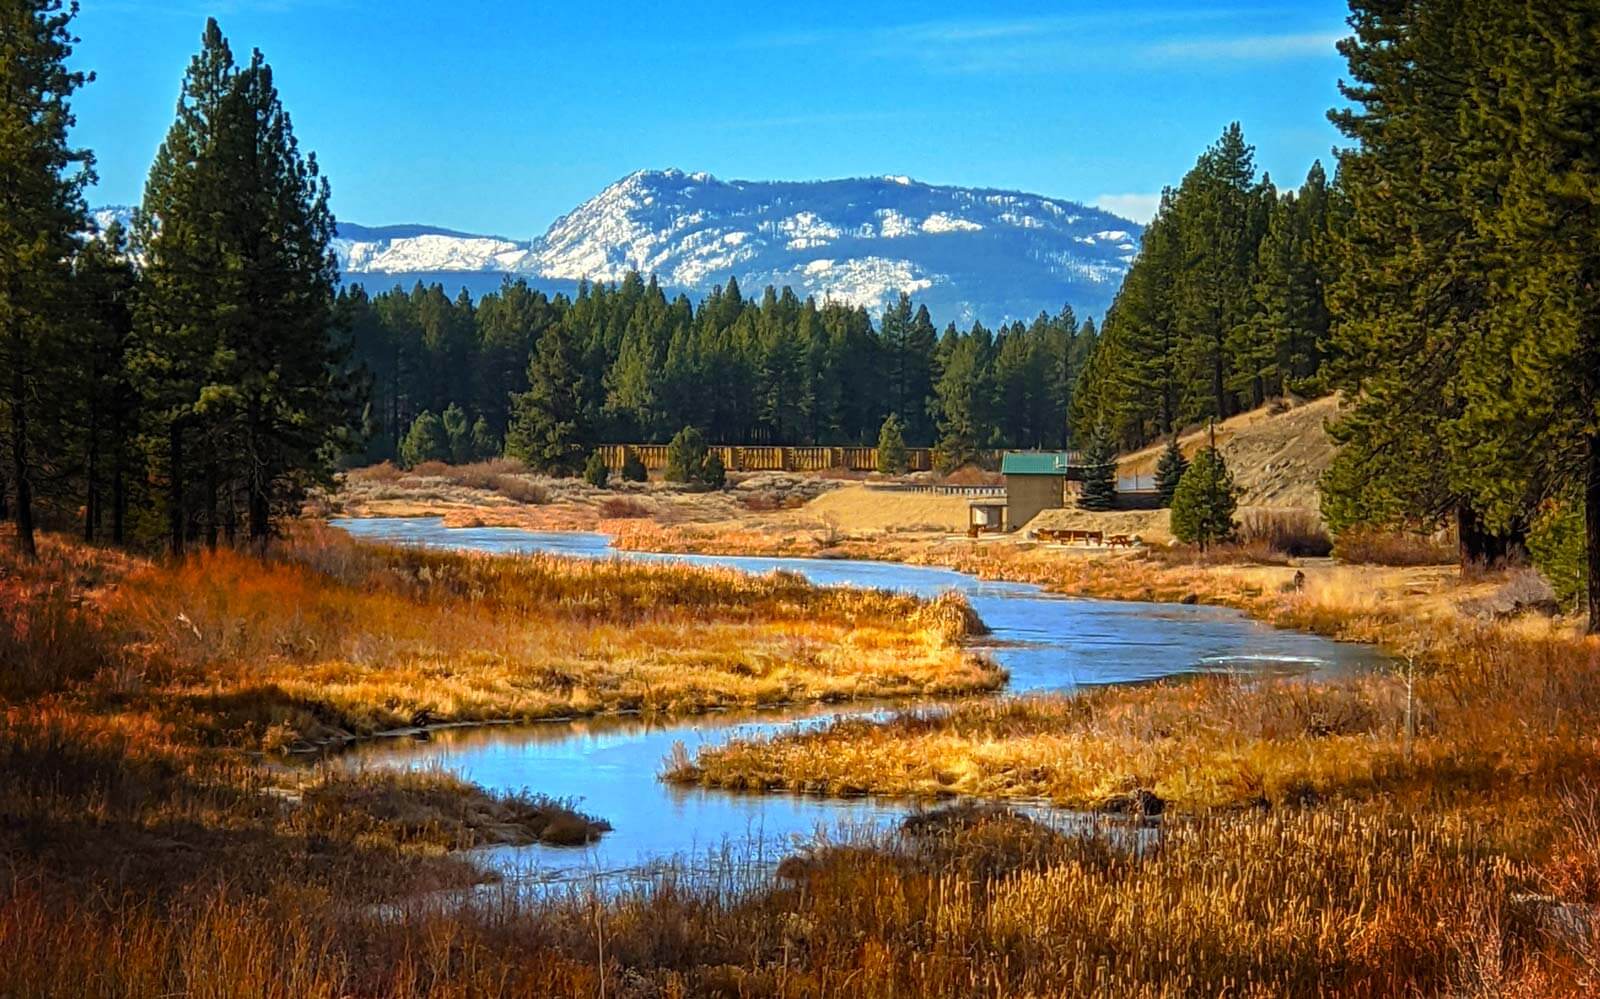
(1052, 43)
(1140, 208)
(1249, 48)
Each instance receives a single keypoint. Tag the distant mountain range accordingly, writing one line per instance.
(967, 253)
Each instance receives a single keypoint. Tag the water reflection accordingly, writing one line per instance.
(608, 766)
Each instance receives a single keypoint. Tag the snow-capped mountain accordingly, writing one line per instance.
(967, 253)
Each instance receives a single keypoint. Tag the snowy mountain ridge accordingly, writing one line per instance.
(967, 253)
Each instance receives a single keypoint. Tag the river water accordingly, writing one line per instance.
(609, 766)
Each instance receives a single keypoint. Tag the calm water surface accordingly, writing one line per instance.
(609, 766)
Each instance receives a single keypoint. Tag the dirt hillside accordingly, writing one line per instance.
(1276, 458)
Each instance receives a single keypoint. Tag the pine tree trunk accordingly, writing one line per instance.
(175, 512)
(1216, 381)
(211, 505)
(19, 455)
(1591, 529)
(91, 472)
(119, 457)
(260, 510)
(119, 497)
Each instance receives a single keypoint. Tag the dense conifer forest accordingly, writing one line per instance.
(191, 378)
(623, 363)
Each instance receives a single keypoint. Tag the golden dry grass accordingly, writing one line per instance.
(142, 852)
(330, 639)
(1356, 902)
(1471, 706)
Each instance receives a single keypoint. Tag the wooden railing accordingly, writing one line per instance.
(767, 458)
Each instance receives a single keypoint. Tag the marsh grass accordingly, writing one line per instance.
(1472, 712)
(330, 639)
(145, 850)
(1346, 901)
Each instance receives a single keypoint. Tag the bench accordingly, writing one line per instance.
(1068, 537)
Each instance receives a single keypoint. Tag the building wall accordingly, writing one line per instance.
(1026, 495)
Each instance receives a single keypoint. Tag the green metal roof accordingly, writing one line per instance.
(1035, 463)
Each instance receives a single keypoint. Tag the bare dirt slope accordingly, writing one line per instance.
(1276, 457)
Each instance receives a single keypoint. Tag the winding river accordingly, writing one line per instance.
(608, 766)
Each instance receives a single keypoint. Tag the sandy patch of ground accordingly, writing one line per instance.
(858, 508)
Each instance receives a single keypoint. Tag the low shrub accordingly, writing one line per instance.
(594, 470)
(1296, 533)
(633, 469)
(973, 475)
(521, 489)
(623, 508)
(1395, 548)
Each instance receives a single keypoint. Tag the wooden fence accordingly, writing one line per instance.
(763, 458)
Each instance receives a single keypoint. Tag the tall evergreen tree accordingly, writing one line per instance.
(549, 424)
(42, 179)
(237, 317)
(1204, 503)
(1099, 488)
(105, 283)
(1169, 470)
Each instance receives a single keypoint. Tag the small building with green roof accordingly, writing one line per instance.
(1036, 480)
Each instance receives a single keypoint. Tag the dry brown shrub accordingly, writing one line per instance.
(521, 489)
(385, 472)
(1395, 548)
(1296, 533)
(623, 508)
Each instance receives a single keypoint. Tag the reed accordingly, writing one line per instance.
(1347, 901)
(328, 639)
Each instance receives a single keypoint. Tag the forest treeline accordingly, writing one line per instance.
(194, 376)
(549, 377)
(185, 378)
(1467, 285)
(1224, 308)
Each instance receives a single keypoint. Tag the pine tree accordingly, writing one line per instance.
(1411, 269)
(1169, 470)
(1203, 504)
(594, 470)
(1098, 490)
(963, 402)
(892, 458)
(105, 285)
(1530, 426)
(714, 473)
(485, 444)
(42, 179)
(549, 426)
(425, 441)
(458, 434)
(633, 469)
(237, 316)
(686, 456)
(1216, 232)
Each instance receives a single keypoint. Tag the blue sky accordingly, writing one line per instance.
(498, 117)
